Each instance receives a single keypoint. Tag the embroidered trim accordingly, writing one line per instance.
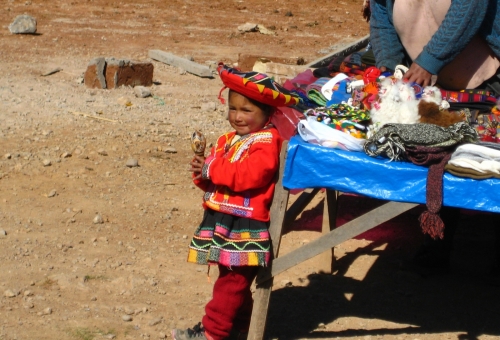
(244, 143)
(205, 170)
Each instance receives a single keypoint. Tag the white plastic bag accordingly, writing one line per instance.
(316, 132)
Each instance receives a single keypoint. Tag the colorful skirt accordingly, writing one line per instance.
(230, 241)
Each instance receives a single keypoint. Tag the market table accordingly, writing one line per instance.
(402, 184)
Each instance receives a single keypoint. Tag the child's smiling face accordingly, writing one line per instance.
(244, 116)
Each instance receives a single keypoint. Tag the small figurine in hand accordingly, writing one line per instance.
(198, 144)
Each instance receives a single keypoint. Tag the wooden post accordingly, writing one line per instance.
(263, 292)
(327, 259)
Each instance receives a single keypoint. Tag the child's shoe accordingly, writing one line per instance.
(198, 332)
(236, 335)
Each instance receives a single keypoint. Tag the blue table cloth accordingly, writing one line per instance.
(313, 166)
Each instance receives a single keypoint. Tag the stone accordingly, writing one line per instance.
(3, 233)
(169, 149)
(182, 63)
(129, 73)
(10, 293)
(111, 73)
(98, 219)
(47, 162)
(132, 163)
(263, 30)
(94, 75)
(23, 24)
(142, 92)
(102, 152)
(248, 27)
(52, 193)
(156, 321)
(127, 318)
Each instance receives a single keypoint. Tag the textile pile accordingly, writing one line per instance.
(353, 106)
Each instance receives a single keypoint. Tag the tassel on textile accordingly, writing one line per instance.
(431, 224)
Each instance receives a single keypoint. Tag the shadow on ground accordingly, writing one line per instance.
(463, 300)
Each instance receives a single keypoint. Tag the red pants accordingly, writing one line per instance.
(231, 304)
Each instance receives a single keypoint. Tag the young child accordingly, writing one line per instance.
(238, 179)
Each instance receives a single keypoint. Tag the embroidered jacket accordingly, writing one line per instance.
(464, 19)
(239, 179)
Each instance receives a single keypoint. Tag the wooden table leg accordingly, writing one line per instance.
(327, 259)
(263, 290)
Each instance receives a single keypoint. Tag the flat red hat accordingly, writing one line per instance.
(255, 85)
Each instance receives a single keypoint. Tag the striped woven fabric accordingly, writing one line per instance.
(230, 240)
(468, 96)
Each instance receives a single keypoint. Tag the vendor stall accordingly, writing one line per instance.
(311, 165)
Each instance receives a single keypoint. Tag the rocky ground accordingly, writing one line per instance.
(91, 248)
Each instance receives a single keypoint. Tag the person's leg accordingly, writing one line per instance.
(492, 84)
(231, 296)
(241, 323)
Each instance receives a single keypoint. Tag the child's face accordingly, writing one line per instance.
(244, 116)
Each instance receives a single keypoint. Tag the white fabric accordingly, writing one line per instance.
(483, 151)
(476, 157)
(316, 132)
(327, 89)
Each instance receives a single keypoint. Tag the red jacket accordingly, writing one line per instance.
(239, 179)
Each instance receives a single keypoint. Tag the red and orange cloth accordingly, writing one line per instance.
(255, 85)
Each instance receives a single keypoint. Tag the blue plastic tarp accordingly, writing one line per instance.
(314, 166)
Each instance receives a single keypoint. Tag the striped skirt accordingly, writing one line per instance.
(230, 241)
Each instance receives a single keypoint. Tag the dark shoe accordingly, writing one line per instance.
(198, 332)
(236, 335)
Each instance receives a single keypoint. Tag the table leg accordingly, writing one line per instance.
(327, 259)
(263, 290)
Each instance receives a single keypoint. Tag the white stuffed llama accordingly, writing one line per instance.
(397, 104)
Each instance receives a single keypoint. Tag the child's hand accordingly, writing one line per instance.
(197, 165)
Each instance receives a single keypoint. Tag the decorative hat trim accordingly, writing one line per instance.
(255, 85)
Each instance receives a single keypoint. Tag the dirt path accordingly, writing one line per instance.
(66, 274)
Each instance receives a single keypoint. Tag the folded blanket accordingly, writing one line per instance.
(481, 159)
(469, 173)
(313, 91)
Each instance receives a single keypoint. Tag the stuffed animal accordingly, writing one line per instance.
(433, 109)
(433, 94)
(396, 104)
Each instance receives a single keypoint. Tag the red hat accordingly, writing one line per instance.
(255, 85)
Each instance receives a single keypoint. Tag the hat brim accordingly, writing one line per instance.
(256, 86)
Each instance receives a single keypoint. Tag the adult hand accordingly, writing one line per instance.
(419, 75)
(196, 166)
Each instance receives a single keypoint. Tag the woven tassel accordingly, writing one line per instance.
(432, 224)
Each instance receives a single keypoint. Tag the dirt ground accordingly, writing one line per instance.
(93, 249)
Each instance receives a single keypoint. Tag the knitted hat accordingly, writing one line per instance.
(256, 86)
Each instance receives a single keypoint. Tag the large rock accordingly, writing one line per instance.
(94, 75)
(23, 24)
(110, 73)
